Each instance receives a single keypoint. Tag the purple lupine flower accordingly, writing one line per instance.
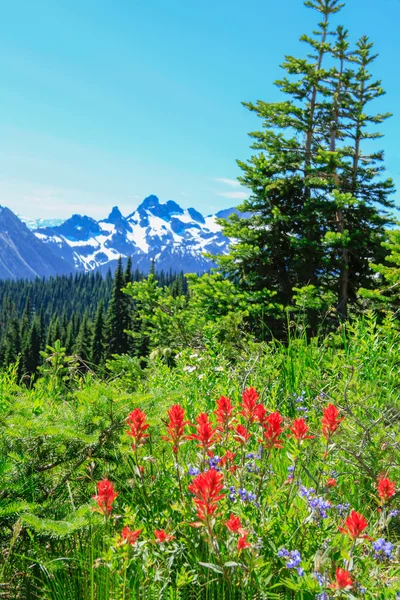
(193, 471)
(213, 462)
(283, 553)
(342, 508)
(393, 513)
(232, 493)
(295, 559)
(383, 550)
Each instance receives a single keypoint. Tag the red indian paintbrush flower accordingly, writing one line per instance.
(105, 497)
(343, 580)
(241, 434)
(260, 413)
(223, 413)
(129, 536)
(242, 542)
(272, 430)
(354, 525)
(206, 434)
(331, 482)
(207, 487)
(299, 430)
(137, 423)
(176, 427)
(161, 536)
(386, 488)
(330, 420)
(234, 524)
(249, 403)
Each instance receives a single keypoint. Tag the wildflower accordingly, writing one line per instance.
(295, 559)
(242, 435)
(319, 506)
(299, 430)
(232, 493)
(259, 413)
(105, 497)
(207, 487)
(242, 542)
(234, 524)
(176, 427)
(383, 550)
(393, 513)
(386, 488)
(249, 403)
(205, 432)
(342, 508)
(354, 525)
(300, 571)
(343, 580)
(330, 420)
(331, 482)
(213, 462)
(272, 430)
(161, 536)
(228, 457)
(223, 413)
(306, 492)
(137, 423)
(129, 536)
(193, 471)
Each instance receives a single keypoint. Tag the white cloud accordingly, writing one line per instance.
(234, 195)
(231, 182)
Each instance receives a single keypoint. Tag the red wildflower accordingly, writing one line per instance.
(224, 413)
(161, 536)
(242, 435)
(137, 423)
(206, 433)
(129, 536)
(354, 525)
(331, 482)
(248, 404)
(234, 524)
(330, 421)
(105, 497)
(272, 430)
(299, 430)
(242, 542)
(386, 488)
(343, 580)
(176, 427)
(228, 457)
(259, 413)
(207, 487)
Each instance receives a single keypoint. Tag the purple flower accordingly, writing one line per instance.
(393, 513)
(342, 508)
(213, 462)
(193, 471)
(283, 553)
(383, 550)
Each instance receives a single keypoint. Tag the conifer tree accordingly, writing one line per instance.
(316, 196)
(83, 341)
(117, 340)
(97, 345)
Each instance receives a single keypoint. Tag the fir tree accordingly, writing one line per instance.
(117, 340)
(97, 346)
(316, 200)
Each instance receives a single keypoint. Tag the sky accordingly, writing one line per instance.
(103, 103)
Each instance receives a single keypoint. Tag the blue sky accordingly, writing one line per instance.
(103, 103)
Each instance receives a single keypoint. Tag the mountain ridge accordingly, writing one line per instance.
(174, 237)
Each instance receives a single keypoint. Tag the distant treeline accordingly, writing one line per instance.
(87, 312)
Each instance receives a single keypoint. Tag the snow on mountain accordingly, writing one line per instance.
(33, 224)
(174, 237)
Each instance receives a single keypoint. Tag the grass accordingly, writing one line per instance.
(60, 438)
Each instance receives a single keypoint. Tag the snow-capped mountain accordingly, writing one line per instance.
(36, 223)
(174, 237)
(22, 255)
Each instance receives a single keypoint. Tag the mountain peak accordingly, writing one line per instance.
(150, 202)
(115, 215)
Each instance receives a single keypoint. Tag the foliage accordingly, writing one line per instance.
(67, 432)
(317, 209)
